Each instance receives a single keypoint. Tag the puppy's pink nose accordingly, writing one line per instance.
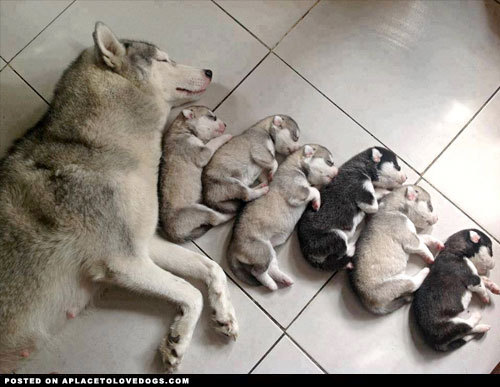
(222, 126)
(403, 178)
(435, 219)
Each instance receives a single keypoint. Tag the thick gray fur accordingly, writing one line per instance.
(79, 204)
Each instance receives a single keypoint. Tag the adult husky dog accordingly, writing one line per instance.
(79, 206)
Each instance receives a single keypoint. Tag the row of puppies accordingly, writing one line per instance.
(327, 231)
(206, 176)
(377, 252)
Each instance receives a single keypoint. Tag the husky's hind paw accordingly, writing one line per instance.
(169, 352)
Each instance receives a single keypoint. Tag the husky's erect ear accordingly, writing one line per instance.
(109, 49)
(308, 151)
(376, 155)
(474, 236)
(411, 194)
(277, 121)
(188, 114)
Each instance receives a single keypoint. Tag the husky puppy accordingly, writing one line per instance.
(383, 249)
(228, 177)
(188, 145)
(328, 237)
(447, 291)
(268, 221)
(79, 202)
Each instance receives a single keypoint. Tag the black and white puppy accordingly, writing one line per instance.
(447, 291)
(328, 237)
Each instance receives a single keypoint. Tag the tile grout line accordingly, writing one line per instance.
(345, 113)
(460, 209)
(266, 353)
(240, 24)
(264, 44)
(295, 24)
(311, 300)
(307, 354)
(245, 292)
(27, 83)
(47, 26)
(240, 82)
(258, 306)
(284, 330)
(461, 131)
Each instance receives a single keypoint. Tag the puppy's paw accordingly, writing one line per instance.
(494, 288)
(481, 328)
(485, 298)
(227, 137)
(286, 281)
(429, 259)
(439, 246)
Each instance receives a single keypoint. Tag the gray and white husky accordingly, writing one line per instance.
(188, 145)
(268, 221)
(228, 177)
(79, 204)
(384, 246)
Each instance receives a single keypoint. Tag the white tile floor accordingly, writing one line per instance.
(420, 77)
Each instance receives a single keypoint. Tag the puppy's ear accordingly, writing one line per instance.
(376, 155)
(474, 236)
(411, 194)
(277, 121)
(188, 114)
(308, 151)
(109, 49)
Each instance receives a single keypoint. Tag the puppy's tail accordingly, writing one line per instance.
(242, 271)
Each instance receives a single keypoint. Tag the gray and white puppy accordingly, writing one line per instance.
(384, 246)
(228, 177)
(268, 221)
(447, 291)
(188, 146)
(328, 237)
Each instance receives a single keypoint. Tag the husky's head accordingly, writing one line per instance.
(202, 122)
(147, 66)
(285, 134)
(388, 172)
(475, 245)
(317, 163)
(414, 202)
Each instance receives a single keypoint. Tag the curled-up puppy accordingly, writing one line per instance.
(447, 291)
(268, 221)
(228, 178)
(188, 145)
(385, 244)
(328, 237)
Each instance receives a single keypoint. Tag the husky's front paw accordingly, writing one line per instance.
(226, 324)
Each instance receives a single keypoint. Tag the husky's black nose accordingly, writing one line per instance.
(208, 73)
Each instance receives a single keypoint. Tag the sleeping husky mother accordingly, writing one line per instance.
(79, 207)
